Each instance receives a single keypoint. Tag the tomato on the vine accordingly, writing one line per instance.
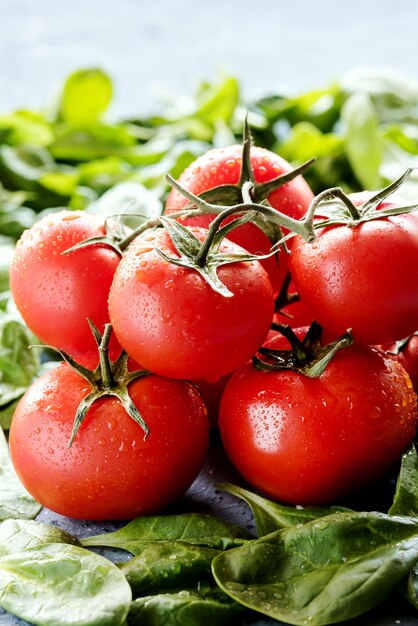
(362, 275)
(406, 352)
(110, 471)
(310, 441)
(56, 293)
(221, 167)
(169, 319)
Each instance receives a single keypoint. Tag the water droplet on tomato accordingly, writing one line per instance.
(375, 412)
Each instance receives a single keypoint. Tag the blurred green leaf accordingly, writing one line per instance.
(96, 141)
(26, 128)
(86, 96)
(364, 143)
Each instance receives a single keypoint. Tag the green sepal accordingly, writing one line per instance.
(307, 356)
(110, 378)
(189, 247)
(184, 241)
(338, 208)
(372, 203)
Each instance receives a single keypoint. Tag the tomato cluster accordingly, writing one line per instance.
(189, 299)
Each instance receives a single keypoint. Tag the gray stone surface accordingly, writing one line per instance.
(149, 45)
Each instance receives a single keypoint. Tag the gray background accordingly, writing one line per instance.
(145, 45)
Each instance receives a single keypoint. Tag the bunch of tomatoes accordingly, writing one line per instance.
(191, 301)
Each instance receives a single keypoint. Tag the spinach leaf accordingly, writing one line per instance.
(405, 501)
(195, 528)
(364, 143)
(167, 565)
(18, 365)
(193, 608)
(271, 516)
(15, 501)
(96, 141)
(394, 95)
(26, 127)
(60, 585)
(18, 535)
(7, 251)
(323, 572)
(86, 96)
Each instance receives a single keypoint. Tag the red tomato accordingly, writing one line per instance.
(407, 357)
(222, 166)
(363, 277)
(173, 323)
(109, 472)
(311, 440)
(56, 293)
(212, 394)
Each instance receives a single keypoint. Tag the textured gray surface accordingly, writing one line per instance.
(144, 45)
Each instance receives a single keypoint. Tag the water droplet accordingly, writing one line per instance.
(375, 412)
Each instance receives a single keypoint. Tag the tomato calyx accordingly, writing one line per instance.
(205, 257)
(114, 237)
(401, 345)
(231, 194)
(307, 356)
(338, 208)
(110, 378)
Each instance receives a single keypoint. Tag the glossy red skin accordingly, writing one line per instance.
(311, 441)
(109, 472)
(56, 293)
(407, 357)
(364, 278)
(222, 166)
(212, 394)
(173, 323)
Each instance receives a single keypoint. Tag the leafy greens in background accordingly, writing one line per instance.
(363, 130)
(18, 364)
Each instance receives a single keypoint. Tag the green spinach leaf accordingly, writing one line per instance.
(15, 501)
(86, 96)
(364, 142)
(63, 585)
(18, 535)
(168, 565)
(271, 516)
(191, 608)
(195, 528)
(322, 572)
(405, 501)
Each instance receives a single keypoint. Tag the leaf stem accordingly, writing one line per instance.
(108, 380)
(333, 192)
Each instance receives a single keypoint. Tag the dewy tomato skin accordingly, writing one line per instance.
(363, 277)
(222, 166)
(172, 322)
(56, 293)
(310, 441)
(109, 472)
